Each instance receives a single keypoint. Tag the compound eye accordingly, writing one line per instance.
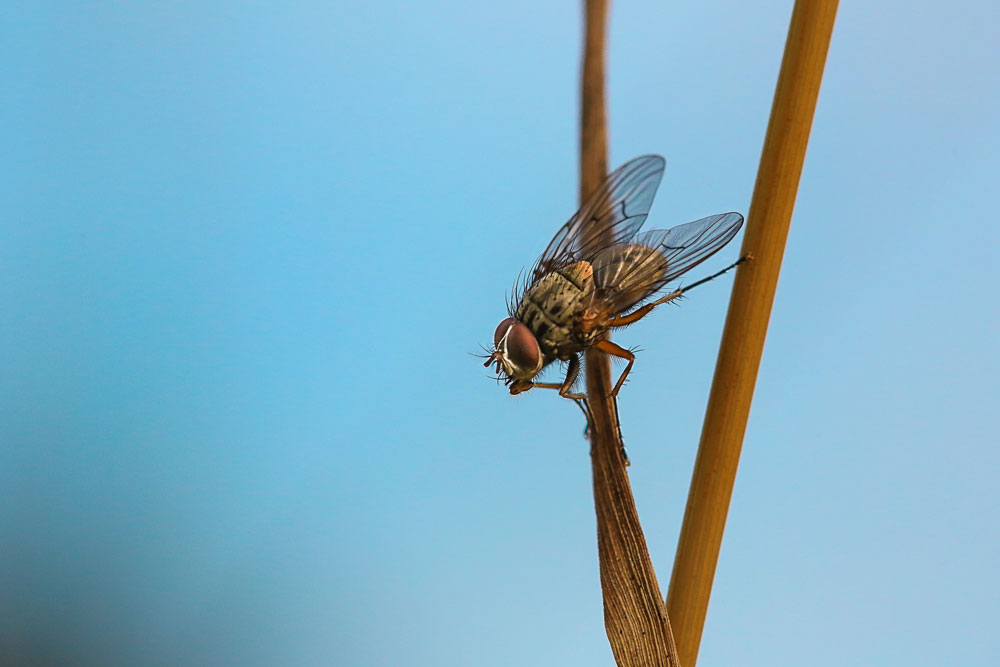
(502, 331)
(522, 347)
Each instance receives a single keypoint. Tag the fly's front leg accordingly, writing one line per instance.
(572, 372)
(614, 350)
(565, 388)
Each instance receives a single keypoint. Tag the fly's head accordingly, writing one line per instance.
(516, 354)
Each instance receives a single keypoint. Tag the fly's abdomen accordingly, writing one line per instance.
(553, 307)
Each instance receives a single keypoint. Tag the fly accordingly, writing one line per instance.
(598, 273)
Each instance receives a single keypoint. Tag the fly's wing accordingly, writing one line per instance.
(628, 273)
(612, 215)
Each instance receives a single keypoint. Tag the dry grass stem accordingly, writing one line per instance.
(746, 322)
(635, 615)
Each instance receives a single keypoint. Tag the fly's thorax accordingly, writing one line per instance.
(553, 307)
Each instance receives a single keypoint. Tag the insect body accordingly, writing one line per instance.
(594, 276)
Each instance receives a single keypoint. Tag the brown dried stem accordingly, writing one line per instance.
(746, 322)
(635, 615)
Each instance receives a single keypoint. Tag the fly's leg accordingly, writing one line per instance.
(564, 389)
(639, 313)
(579, 398)
(744, 258)
(614, 350)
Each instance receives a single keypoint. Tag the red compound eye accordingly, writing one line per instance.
(522, 348)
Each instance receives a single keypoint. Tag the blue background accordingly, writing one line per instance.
(246, 248)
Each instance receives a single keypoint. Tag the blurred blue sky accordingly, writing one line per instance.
(245, 250)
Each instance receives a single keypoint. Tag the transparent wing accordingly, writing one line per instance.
(612, 215)
(628, 273)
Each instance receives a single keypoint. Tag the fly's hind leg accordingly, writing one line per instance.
(642, 311)
(614, 350)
